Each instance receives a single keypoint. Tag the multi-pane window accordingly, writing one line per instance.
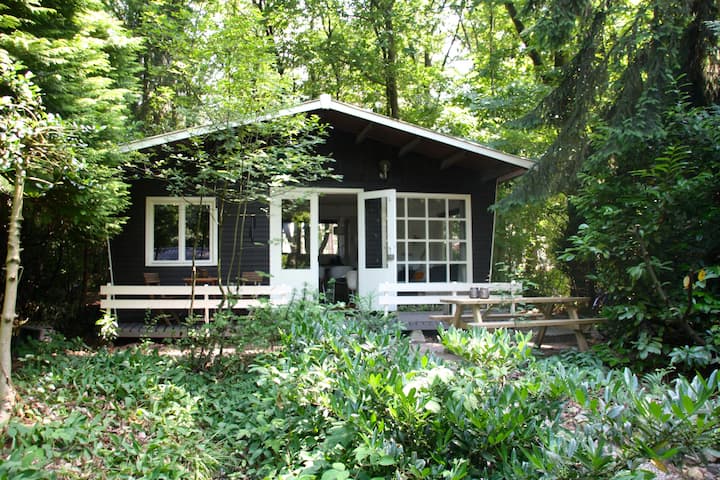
(433, 238)
(180, 229)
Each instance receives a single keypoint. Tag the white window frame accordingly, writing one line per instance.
(181, 202)
(468, 262)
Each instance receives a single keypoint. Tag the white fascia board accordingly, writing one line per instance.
(186, 133)
(326, 103)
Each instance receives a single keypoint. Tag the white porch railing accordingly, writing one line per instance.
(419, 293)
(184, 297)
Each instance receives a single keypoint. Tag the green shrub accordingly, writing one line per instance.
(111, 414)
(348, 396)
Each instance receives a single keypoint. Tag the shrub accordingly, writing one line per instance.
(348, 396)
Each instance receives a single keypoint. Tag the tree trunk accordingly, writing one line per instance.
(12, 278)
(520, 29)
(391, 68)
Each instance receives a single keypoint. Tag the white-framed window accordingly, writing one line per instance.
(178, 228)
(433, 238)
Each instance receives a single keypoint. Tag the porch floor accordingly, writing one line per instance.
(419, 320)
(410, 320)
(141, 330)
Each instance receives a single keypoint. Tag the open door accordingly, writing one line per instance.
(377, 242)
(294, 240)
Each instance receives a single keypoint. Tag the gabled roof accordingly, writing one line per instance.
(365, 124)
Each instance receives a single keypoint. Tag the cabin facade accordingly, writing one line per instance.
(412, 206)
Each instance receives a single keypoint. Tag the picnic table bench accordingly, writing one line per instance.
(481, 318)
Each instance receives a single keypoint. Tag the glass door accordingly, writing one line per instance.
(377, 241)
(294, 240)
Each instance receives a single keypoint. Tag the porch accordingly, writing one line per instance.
(411, 321)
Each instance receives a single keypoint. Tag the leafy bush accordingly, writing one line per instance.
(359, 404)
(112, 413)
(348, 396)
(649, 199)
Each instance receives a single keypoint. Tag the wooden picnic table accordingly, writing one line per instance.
(479, 307)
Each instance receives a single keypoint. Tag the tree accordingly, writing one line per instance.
(34, 146)
(238, 92)
(630, 144)
(241, 166)
(627, 53)
(652, 220)
(168, 32)
(526, 242)
(81, 59)
(387, 55)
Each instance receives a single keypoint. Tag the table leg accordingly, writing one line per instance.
(540, 337)
(477, 313)
(580, 339)
(547, 314)
(457, 318)
(577, 329)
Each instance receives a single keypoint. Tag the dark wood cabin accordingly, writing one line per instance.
(412, 206)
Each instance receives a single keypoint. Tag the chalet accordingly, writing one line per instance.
(412, 206)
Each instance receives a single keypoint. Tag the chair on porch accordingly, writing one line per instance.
(251, 278)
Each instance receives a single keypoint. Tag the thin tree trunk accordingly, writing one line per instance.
(391, 68)
(680, 322)
(520, 28)
(12, 278)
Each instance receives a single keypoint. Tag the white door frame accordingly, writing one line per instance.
(300, 279)
(370, 278)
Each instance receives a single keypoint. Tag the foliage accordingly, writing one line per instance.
(108, 326)
(33, 147)
(651, 229)
(341, 400)
(165, 32)
(620, 55)
(526, 243)
(190, 67)
(116, 414)
(78, 56)
(227, 333)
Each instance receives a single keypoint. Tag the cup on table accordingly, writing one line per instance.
(474, 292)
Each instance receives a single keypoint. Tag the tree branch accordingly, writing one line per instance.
(680, 321)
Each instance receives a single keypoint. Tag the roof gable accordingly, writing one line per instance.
(451, 150)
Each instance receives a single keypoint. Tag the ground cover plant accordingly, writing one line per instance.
(348, 396)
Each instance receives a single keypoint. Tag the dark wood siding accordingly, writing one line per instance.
(128, 248)
(358, 164)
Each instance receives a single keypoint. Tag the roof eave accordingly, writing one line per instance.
(327, 103)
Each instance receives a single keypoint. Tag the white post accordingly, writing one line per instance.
(207, 306)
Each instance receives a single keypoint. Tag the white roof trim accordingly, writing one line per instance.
(327, 103)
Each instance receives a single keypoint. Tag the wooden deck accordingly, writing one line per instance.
(420, 321)
(410, 321)
(140, 330)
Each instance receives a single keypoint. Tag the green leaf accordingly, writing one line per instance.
(386, 460)
(433, 406)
